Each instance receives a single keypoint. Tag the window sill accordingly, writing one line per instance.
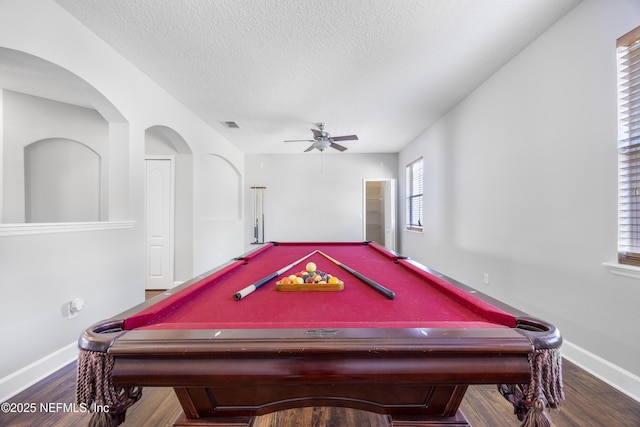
(61, 227)
(415, 230)
(623, 270)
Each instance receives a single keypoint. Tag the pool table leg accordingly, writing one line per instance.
(189, 408)
(458, 420)
(183, 421)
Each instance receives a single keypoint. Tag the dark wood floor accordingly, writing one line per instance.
(589, 402)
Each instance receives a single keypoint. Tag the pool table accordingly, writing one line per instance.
(410, 355)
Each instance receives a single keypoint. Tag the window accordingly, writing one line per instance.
(628, 53)
(414, 195)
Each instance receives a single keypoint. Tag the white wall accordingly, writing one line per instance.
(43, 268)
(313, 196)
(520, 183)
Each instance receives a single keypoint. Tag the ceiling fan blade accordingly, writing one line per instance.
(300, 140)
(345, 138)
(337, 146)
(317, 133)
(310, 148)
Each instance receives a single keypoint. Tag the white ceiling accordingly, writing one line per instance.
(382, 69)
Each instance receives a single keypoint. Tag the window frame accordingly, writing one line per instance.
(413, 194)
(628, 66)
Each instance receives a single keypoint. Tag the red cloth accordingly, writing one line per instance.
(422, 300)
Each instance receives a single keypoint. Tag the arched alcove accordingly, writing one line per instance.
(62, 182)
(41, 101)
(163, 144)
(159, 139)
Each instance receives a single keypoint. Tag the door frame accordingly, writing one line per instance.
(390, 222)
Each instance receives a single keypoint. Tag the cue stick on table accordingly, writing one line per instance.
(251, 288)
(377, 286)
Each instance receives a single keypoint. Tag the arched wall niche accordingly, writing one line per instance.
(62, 181)
(220, 190)
(41, 102)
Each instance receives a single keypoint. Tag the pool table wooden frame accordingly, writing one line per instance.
(417, 376)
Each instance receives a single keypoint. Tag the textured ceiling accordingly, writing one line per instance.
(382, 69)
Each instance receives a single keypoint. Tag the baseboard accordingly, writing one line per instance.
(618, 378)
(24, 378)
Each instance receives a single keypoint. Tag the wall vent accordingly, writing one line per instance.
(231, 125)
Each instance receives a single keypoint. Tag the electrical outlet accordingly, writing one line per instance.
(486, 278)
(73, 307)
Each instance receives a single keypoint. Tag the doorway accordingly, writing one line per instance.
(379, 217)
(159, 208)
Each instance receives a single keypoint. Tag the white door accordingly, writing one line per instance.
(159, 207)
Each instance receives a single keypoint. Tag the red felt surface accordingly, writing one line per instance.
(422, 300)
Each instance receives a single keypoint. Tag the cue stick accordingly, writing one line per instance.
(251, 288)
(262, 211)
(255, 214)
(377, 286)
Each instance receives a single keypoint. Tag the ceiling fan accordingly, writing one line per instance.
(323, 140)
